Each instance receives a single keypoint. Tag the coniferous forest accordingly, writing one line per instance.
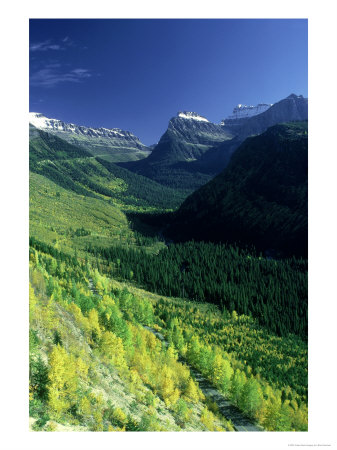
(272, 291)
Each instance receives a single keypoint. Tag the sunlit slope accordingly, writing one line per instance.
(71, 221)
(77, 200)
(75, 169)
(93, 365)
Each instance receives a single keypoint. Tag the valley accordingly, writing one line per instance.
(167, 290)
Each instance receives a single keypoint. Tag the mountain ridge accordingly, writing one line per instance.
(290, 109)
(193, 150)
(115, 144)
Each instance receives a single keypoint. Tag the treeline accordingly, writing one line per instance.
(71, 261)
(91, 178)
(44, 146)
(273, 291)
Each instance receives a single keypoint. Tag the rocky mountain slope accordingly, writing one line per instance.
(290, 109)
(187, 138)
(114, 144)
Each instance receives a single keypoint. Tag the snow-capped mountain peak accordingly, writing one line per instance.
(119, 144)
(191, 116)
(44, 123)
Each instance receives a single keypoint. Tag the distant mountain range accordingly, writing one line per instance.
(260, 199)
(290, 109)
(193, 149)
(112, 144)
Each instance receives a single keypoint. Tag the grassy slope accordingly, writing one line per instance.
(56, 213)
(75, 169)
(70, 190)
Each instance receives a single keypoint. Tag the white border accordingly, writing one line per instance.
(322, 219)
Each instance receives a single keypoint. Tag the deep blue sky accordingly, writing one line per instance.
(136, 74)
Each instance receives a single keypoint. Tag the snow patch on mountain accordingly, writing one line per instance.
(245, 111)
(192, 116)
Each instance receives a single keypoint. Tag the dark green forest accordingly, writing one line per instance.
(273, 291)
(260, 199)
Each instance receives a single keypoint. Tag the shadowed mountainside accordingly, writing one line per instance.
(259, 199)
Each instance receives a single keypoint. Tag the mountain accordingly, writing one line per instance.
(76, 170)
(193, 149)
(259, 199)
(248, 122)
(112, 144)
(216, 158)
(188, 136)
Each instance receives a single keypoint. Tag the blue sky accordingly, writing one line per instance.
(137, 74)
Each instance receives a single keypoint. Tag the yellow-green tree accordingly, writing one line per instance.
(63, 380)
(191, 393)
(112, 350)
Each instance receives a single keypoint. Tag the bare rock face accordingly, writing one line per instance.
(291, 109)
(188, 136)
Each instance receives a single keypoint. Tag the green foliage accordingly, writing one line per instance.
(261, 378)
(260, 199)
(38, 379)
(46, 146)
(183, 412)
(274, 292)
(76, 170)
(85, 327)
(281, 361)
